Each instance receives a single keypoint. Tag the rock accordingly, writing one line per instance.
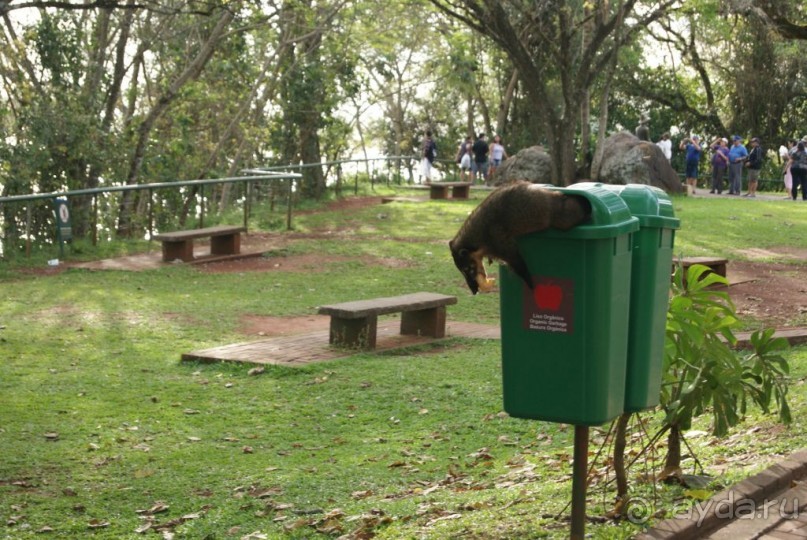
(532, 164)
(628, 160)
(625, 160)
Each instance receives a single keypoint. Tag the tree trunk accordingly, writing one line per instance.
(563, 154)
(507, 100)
(191, 72)
(620, 473)
(469, 118)
(673, 460)
(483, 108)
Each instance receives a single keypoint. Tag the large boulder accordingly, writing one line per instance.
(532, 164)
(628, 160)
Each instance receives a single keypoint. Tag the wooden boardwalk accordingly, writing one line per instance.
(304, 349)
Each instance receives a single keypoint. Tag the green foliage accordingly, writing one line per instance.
(702, 373)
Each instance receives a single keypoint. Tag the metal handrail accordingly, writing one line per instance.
(276, 172)
(138, 187)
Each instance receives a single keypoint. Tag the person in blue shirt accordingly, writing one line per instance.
(693, 156)
(737, 156)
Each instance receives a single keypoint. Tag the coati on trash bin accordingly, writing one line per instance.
(511, 211)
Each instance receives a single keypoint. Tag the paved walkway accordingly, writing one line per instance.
(311, 347)
(769, 505)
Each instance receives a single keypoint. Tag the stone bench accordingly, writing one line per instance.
(715, 264)
(354, 324)
(459, 190)
(224, 240)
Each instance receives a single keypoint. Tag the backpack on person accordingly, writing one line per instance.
(430, 152)
(755, 158)
(800, 160)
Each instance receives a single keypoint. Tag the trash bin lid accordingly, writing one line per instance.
(610, 215)
(650, 204)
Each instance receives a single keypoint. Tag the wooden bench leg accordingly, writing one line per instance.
(354, 333)
(438, 192)
(228, 244)
(461, 192)
(425, 322)
(182, 250)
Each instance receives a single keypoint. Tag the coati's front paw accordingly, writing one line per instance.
(485, 283)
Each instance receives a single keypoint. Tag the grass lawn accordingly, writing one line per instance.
(105, 434)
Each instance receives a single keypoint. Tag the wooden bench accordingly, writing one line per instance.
(715, 264)
(459, 190)
(224, 240)
(354, 324)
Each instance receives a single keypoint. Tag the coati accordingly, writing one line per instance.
(511, 211)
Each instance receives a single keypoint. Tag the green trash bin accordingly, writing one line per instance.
(650, 291)
(564, 343)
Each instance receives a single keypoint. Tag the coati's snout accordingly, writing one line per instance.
(471, 266)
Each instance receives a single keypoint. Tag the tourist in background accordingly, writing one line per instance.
(720, 163)
(693, 157)
(497, 154)
(798, 168)
(784, 154)
(464, 159)
(480, 161)
(429, 154)
(754, 164)
(666, 145)
(737, 156)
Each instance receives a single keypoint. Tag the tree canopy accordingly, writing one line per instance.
(135, 91)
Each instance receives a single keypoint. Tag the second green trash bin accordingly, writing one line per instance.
(650, 291)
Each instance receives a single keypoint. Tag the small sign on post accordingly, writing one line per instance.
(64, 231)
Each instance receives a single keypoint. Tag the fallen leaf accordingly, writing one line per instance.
(51, 436)
(443, 518)
(257, 535)
(256, 371)
(45, 529)
(97, 524)
(336, 513)
(157, 508)
(194, 439)
(297, 524)
(247, 450)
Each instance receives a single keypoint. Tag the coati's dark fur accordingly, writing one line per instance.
(509, 212)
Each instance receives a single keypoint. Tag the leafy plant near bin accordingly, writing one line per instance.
(703, 373)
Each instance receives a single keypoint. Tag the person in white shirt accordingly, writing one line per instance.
(497, 154)
(666, 146)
